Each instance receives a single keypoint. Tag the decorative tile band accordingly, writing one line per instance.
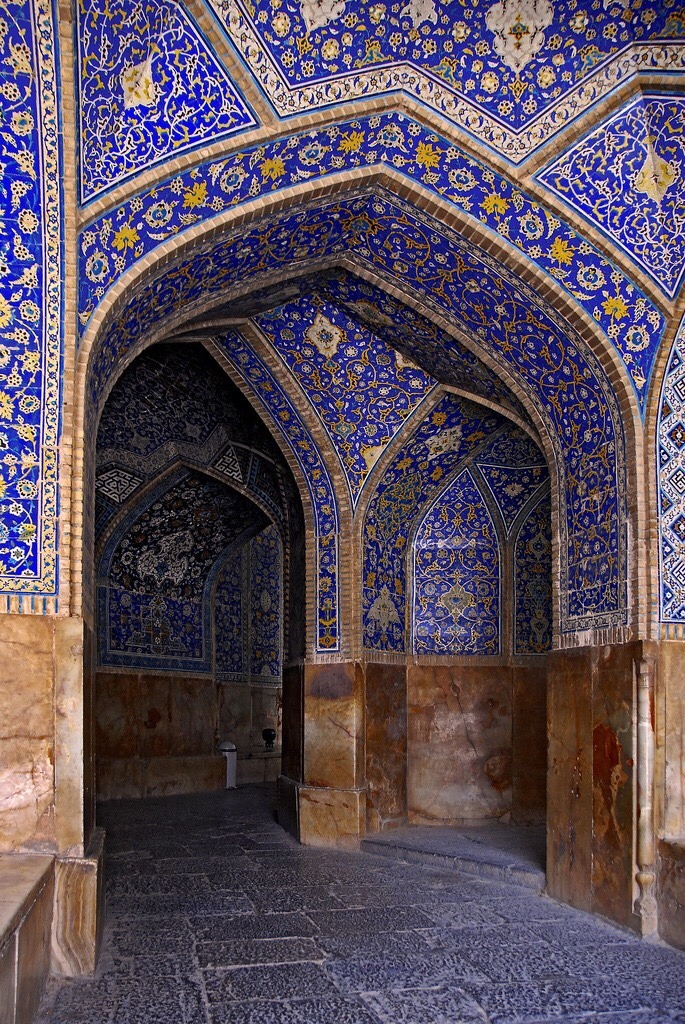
(114, 242)
(31, 301)
(510, 73)
(671, 485)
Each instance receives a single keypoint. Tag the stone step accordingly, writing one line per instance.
(516, 862)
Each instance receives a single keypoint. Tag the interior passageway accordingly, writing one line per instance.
(217, 916)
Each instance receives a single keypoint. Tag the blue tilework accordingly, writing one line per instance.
(175, 404)
(118, 239)
(362, 390)
(671, 485)
(452, 431)
(510, 72)
(413, 334)
(150, 87)
(321, 491)
(456, 578)
(230, 618)
(564, 382)
(627, 177)
(266, 601)
(533, 581)
(154, 608)
(513, 468)
(31, 306)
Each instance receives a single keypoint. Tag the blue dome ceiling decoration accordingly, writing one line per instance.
(511, 73)
(360, 388)
(150, 88)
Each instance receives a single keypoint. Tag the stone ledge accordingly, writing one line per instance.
(22, 876)
(26, 900)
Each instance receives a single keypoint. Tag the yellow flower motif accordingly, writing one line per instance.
(561, 251)
(426, 156)
(3, 486)
(5, 312)
(495, 204)
(125, 238)
(6, 406)
(272, 169)
(26, 431)
(195, 196)
(351, 142)
(614, 306)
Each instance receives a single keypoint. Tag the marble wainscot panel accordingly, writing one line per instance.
(671, 892)
(459, 747)
(27, 732)
(156, 735)
(332, 802)
(592, 830)
(386, 746)
(529, 743)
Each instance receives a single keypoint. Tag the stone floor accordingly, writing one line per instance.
(215, 916)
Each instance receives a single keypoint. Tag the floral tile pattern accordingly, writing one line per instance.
(30, 303)
(417, 473)
(456, 577)
(509, 72)
(266, 606)
(153, 608)
(361, 389)
(117, 240)
(514, 469)
(627, 177)
(150, 88)
(533, 581)
(564, 382)
(262, 382)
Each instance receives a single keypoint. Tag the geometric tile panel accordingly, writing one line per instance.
(30, 302)
(574, 398)
(416, 475)
(533, 581)
(117, 484)
(627, 177)
(671, 484)
(150, 88)
(456, 579)
(229, 464)
(118, 239)
(362, 390)
(507, 71)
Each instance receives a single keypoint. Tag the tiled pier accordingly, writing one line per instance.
(216, 916)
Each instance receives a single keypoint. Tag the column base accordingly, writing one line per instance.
(79, 909)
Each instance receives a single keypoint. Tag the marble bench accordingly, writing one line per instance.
(26, 897)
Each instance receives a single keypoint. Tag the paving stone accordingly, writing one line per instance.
(256, 951)
(345, 922)
(401, 971)
(251, 926)
(284, 981)
(339, 1010)
(427, 1007)
(216, 917)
